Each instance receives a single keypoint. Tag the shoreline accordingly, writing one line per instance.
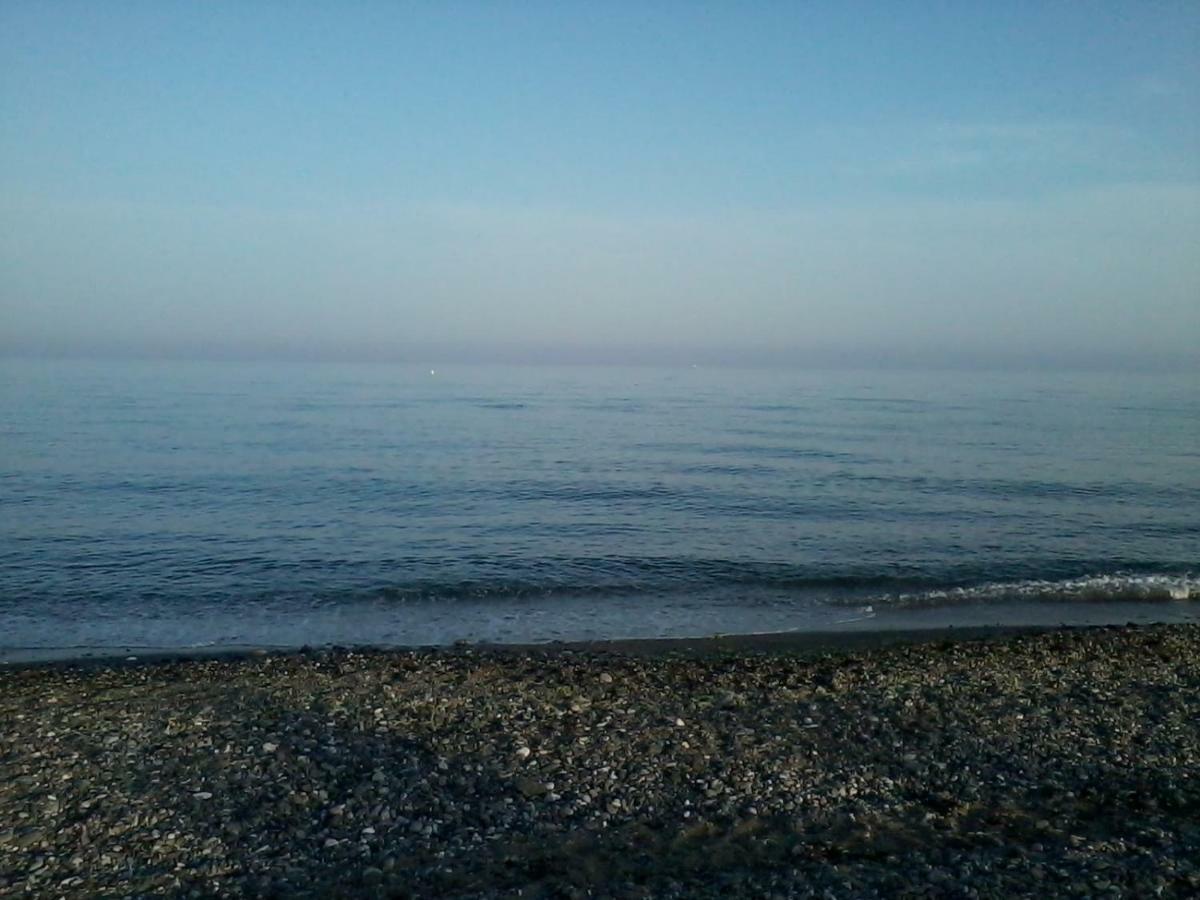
(801, 644)
(1001, 762)
(878, 629)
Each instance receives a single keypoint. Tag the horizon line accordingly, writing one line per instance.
(824, 356)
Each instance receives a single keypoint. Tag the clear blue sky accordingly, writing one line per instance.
(591, 180)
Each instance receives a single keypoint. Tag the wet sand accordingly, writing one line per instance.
(798, 643)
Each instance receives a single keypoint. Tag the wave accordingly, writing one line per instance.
(850, 591)
(530, 610)
(1115, 588)
(248, 579)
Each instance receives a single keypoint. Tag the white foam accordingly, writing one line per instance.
(1090, 588)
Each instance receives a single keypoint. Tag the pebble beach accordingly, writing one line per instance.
(1056, 763)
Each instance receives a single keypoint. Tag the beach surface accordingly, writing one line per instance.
(990, 763)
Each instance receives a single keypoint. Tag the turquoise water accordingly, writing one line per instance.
(215, 504)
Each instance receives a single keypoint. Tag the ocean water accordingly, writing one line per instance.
(178, 505)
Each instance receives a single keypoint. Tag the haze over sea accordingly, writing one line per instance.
(179, 505)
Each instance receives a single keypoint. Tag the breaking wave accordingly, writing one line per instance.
(1118, 588)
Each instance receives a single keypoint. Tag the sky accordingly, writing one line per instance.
(963, 183)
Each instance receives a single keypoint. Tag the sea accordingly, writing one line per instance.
(157, 506)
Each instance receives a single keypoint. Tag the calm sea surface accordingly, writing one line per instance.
(206, 504)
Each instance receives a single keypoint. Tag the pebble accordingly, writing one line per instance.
(399, 762)
(529, 787)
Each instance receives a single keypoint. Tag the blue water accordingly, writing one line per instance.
(207, 504)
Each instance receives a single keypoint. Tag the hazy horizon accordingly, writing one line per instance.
(971, 187)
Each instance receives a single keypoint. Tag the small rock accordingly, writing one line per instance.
(203, 795)
(605, 678)
(523, 752)
(269, 747)
(529, 788)
(30, 838)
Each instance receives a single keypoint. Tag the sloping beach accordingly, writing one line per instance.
(1050, 763)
